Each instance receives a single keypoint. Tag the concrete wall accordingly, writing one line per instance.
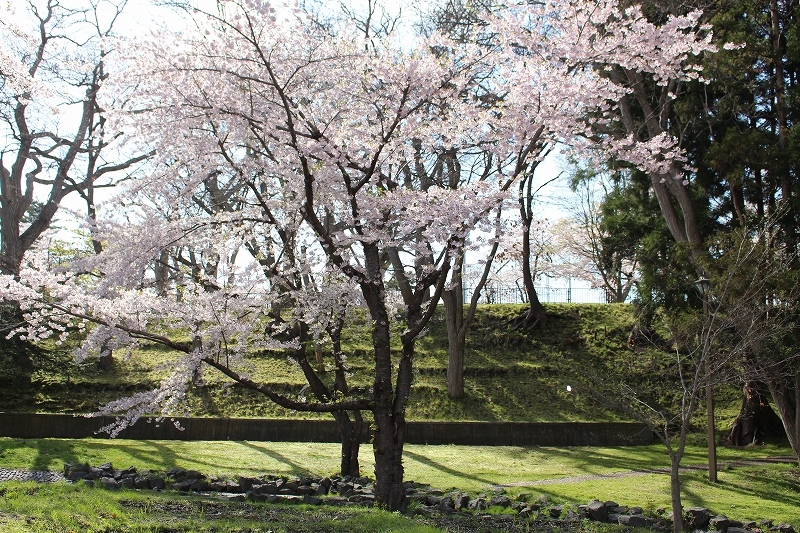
(470, 433)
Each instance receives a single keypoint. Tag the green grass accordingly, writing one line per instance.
(31, 508)
(743, 492)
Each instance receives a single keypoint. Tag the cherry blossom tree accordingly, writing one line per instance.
(54, 60)
(624, 48)
(313, 133)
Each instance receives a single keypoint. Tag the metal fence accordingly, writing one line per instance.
(512, 294)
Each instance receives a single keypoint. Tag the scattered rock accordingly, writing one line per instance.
(635, 520)
(342, 491)
(597, 511)
(697, 517)
(719, 523)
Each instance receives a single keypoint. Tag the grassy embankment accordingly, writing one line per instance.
(510, 375)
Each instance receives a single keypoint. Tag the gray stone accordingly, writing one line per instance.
(344, 488)
(635, 520)
(597, 511)
(246, 483)
(265, 488)
(141, 483)
(556, 511)
(501, 501)
(719, 522)
(785, 528)
(176, 473)
(156, 483)
(698, 517)
(109, 482)
(478, 504)
(307, 498)
(366, 499)
(126, 482)
(433, 500)
(635, 510)
(739, 530)
(461, 501)
(447, 504)
(287, 498)
(235, 497)
(181, 485)
(75, 471)
(199, 485)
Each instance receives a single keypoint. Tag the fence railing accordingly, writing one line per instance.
(511, 294)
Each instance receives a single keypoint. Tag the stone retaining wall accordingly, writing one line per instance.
(23, 425)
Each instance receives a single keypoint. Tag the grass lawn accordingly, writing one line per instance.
(31, 508)
(743, 492)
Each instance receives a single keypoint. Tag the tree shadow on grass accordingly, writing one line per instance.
(443, 468)
(46, 452)
(295, 468)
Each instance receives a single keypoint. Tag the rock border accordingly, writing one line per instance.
(423, 499)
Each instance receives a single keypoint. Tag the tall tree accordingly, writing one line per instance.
(50, 104)
(273, 101)
(54, 60)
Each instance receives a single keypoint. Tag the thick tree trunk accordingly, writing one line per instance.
(390, 436)
(389, 421)
(756, 420)
(350, 432)
(388, 444)
(786, 395)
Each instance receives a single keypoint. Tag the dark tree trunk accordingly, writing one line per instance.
(458, 323)
(756, 420)
(350, 432)
(536, 314)
(389, 437)
(453, 300)
(389, 422)
(786, 395)
(106, 361)
(19, 351)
